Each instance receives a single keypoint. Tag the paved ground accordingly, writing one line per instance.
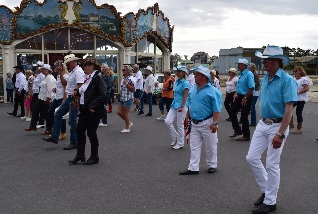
(138, 172)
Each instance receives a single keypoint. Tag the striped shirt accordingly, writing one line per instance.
(125, 93)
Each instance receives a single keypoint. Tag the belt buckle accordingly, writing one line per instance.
(268, 121)
(195, 121)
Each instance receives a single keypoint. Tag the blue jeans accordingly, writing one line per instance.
(149, 98)
(55, 103)
(66, 106)
(253, 110)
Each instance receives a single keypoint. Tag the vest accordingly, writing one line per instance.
(166, 93)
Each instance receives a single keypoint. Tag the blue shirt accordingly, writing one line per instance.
(9, 84)
(204, 102)
(274, 94)
(180, 86)
(245, 82)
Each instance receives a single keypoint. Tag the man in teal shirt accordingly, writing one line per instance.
(278, 93)
(242, 100)
(205, 104)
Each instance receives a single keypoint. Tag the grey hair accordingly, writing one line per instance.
(105, 65)
(136, 66)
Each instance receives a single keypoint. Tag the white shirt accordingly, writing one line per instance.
(82, 89)
(150, 81)
(76, 76)
(191, 80)
(59, 87)
(47, 85)
(139, 80)
(21, 81)
(36, 84)
(304, 96)
(231, 85)
(216, 84)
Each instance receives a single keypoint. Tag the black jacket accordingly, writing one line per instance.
(95, 93)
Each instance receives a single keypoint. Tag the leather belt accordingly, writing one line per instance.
(270, 121)
(199, 121)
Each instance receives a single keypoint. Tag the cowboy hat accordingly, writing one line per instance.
(233, 70)
(47, 67)
(242, 61)
(70, 58)
(19, 67)
(273, 52)
(203, 70)
(149, 68)
(182, 68)
(39, 63)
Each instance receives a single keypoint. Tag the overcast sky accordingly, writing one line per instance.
(211, 25)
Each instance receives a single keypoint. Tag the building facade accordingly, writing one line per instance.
(48, 31)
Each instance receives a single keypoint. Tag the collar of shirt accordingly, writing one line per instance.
(278, 73)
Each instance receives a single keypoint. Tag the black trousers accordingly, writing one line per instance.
(39, 108)
(228, 101)
(165, 101)
(19, 100)
(33, 101)
(88, 121)
(245, 111)
(299, 110)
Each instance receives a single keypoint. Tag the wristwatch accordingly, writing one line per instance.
(282, 136)
(215, 123)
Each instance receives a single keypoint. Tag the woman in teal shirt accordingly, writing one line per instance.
(178, 109)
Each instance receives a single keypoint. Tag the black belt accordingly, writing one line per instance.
(270, 121)
(70, 96)
(199, 121)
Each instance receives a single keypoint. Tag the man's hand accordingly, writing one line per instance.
(213, 128)
(277, 142)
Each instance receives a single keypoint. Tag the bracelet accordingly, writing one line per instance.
(215, 123)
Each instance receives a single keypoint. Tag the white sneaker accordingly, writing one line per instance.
(177, 147)
(130, 124)
(24, 118)
(40, 126)
(102, 124)
(28, 119)
(125, 131)
(162, 117)
(173, 143)
(66, 116)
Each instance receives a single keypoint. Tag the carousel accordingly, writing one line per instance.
(50, 30)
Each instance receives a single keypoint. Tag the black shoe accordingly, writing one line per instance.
(140, 113)
(50, 140)
(20, 115)
(77, 159)
(70, 147)
(263, 209)
(228, 119)
(235, 134)
(13, 114)
(188, 172)
(149, 114)
(260, 200)
(92, 160)
(243, 139)
(211, 170)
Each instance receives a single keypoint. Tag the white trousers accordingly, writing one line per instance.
(267, 179)
(201, 134)
(176, 135)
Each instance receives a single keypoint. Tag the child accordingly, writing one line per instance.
(27, 103)
(156, 92)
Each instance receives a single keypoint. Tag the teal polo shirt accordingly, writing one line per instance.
(202, 103)
(274, 94)
(180, 86)
(245, 82)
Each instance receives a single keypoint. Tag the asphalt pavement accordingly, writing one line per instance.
(138, 171)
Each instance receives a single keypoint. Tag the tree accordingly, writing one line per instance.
(174, 60)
